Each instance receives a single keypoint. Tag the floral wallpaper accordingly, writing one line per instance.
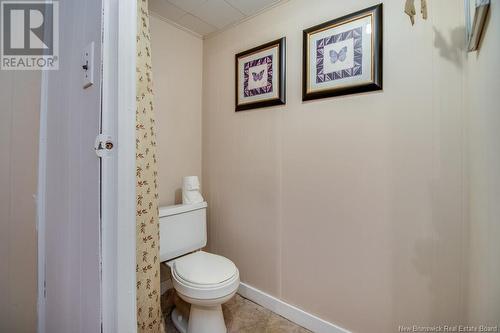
(149, 318)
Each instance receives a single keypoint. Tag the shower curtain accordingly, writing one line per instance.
(149, 317)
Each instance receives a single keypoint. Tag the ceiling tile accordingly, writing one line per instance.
(207, 16)
(195, 24)
(251, 7)
(217, 13)
(165, 9)
(188, 5)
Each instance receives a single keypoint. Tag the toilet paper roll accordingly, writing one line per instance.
(190, 190)
(190, 183)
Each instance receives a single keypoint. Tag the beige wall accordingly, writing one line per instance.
(348, 207)
(19, 123)
(483, 119)
(177, 83)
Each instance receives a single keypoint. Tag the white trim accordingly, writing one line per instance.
(40, 203)
(290, 312)
(126, 198)
(118, 170)
(175, 24)
(108, 190)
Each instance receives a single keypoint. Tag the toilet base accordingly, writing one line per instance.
(202, 319)
(206, 319)
(180, 322)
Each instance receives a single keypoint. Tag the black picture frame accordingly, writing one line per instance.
(281, 97)
(475, 20)
(377, 60)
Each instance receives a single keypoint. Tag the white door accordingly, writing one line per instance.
(69, 192)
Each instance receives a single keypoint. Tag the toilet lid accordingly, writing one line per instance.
(204, 268)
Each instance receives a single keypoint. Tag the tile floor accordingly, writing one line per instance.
(240, 315)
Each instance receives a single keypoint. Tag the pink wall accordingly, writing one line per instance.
(177, 80)
(349, 208)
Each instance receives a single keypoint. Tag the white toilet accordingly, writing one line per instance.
(200, 278)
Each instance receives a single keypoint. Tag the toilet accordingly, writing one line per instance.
(203, 279)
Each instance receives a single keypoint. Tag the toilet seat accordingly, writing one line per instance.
(204, 276)
(203, 268)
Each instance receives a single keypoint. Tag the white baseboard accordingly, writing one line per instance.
(288, 311)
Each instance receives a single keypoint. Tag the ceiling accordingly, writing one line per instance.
(205, 17)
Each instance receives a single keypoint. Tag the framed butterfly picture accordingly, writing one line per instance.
(343, 56)
(260, 76)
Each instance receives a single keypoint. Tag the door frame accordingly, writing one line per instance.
(118, 179)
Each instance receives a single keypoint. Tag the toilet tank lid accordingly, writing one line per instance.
(179, 209)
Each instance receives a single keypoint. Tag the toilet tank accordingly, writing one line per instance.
(183, 229)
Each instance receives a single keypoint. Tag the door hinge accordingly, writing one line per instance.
(104, 145)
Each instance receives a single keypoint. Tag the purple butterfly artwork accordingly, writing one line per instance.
(258, 76)
(338, 56)
(261, 78)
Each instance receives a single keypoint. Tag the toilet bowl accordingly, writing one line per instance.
(203, 279)
(206, 281)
